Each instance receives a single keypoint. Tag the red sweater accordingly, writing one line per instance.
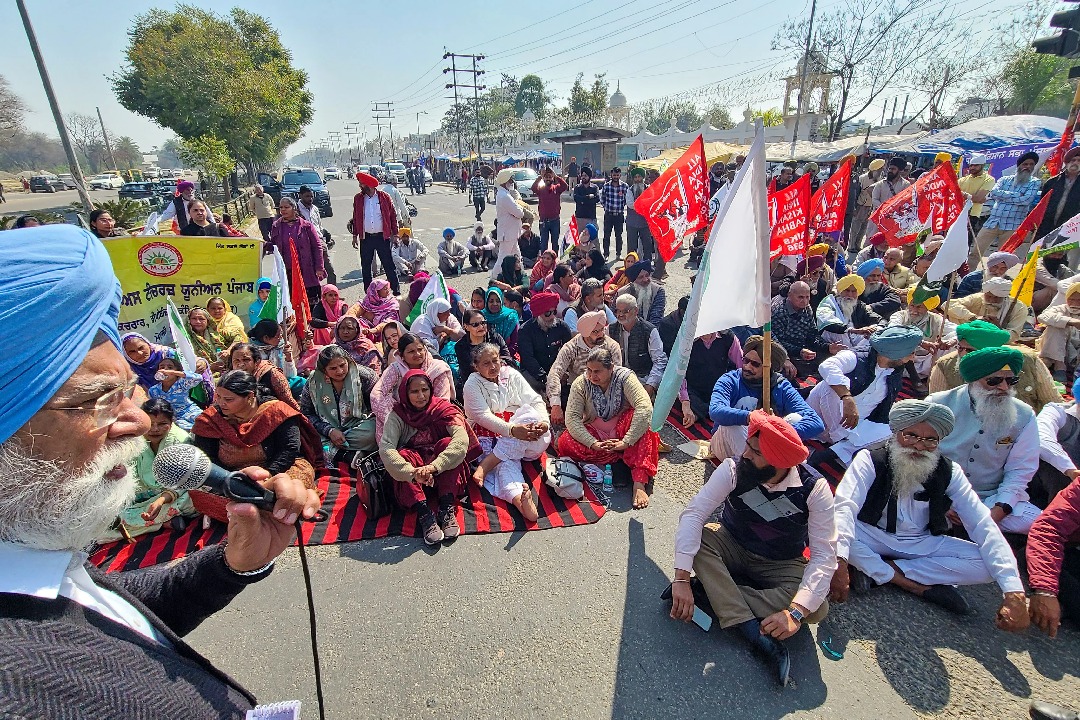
(550, 196)
(389, 215)
(1059, 524)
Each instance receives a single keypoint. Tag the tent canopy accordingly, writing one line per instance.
(985, 134)
(714, 152)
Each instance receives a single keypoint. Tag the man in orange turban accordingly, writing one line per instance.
(774, 508)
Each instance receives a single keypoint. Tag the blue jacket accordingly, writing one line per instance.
(726, 408)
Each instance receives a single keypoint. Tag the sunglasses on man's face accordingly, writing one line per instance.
(995, 381)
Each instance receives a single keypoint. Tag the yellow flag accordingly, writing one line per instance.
(1024, 284)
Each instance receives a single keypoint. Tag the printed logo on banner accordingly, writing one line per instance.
(160, 259)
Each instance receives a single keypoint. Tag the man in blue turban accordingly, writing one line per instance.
(881, 297)
(856, 393)
(70, 427)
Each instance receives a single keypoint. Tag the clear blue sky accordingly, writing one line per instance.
(361, 51)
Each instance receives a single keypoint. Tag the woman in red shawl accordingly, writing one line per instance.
(324, 315)
(426, 446)
(240, 430)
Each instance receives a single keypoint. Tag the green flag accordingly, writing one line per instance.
(270, 307)
(435, 288)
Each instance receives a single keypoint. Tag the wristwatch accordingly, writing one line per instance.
(795, 613)
(1004, 506)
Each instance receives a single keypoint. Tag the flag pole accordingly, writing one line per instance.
(766, 368)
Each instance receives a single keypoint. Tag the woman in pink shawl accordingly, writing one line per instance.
(378, 305)
(325, 314)
(412, 355)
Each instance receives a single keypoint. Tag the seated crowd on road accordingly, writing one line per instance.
(905, 438)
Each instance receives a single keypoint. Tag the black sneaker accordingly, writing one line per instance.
(948, 597)
(433, 534)
(448, 522)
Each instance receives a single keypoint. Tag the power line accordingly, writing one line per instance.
(383, 111)
(476, 88)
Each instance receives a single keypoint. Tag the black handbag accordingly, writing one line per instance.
(375, 487)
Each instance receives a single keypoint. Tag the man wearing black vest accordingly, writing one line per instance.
(75, 642)
(642, 348)
(892, 524)
(749, 567)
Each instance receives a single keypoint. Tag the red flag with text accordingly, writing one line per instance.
(1030, 224)
(299, 297)
(1055, 161)
(789, 214)
(677, 203)
(934, 201)
(828, 207)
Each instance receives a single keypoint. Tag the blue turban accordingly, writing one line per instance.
(897, 341)
(869, 266)
(59, 292)
(591, 229)
(449, 231)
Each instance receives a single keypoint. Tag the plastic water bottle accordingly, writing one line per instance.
(608, 486)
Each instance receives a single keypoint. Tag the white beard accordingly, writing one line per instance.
(872, 288)
(847, 305)
(910, 468)
(44, 505)
(996, 413)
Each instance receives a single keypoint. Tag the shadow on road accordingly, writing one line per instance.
(385, 551)
(671, 669)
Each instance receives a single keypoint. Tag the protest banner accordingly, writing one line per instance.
(789, 211)
(1001, 161)
(677, 202)
(187, 270)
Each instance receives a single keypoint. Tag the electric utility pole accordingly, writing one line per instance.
(383, 111)
(476, 88)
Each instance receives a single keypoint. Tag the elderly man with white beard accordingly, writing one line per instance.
(996, 439)
(878, 295)
(74, 641)
(994, 306)
(891, 522)
(844, 318)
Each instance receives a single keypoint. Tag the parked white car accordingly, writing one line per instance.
(106, 181)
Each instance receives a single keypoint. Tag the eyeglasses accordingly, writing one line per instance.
(482, 323)
(997, 380)
(913, 439)
(549, 313)
(106, 408)
(751, 363)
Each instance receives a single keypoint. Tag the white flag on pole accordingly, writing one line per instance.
(435, 288)
(732, 287)
(954, 251)
(181, 340)
(279, 277)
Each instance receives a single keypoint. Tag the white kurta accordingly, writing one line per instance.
(509, 214)
(922, 557)
(1051, 419)
(825, 402)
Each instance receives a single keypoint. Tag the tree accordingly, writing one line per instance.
(211, 155)
(168, 155)
(769, 118)
(12, 108)
(870, 47)
(127, 153)
(230, 78)
(719, 116)
(532, 95)
(656, 115)
(589, 103)
(31, 151)
(1037, 83)
(85, 132)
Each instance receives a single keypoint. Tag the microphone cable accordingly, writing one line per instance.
(311, 620)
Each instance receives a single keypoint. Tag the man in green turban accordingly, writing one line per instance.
(1036, 386)
(996, 437)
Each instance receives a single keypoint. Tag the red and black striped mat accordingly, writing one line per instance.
(478, 513)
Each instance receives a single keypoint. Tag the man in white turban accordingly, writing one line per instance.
(993, 305)
(891, 518)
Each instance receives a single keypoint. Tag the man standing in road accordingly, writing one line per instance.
(586, 198)
(888, 187)
(1013, 196)
(1065, 202)
(613, 198)
(864, 205)
(310, 212)
(262, 206)
(374, 224)
(478, 189)
(548, 189)
(977, 184)
(572, 173)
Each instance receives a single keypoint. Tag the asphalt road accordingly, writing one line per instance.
(568, 623)
(21, 202)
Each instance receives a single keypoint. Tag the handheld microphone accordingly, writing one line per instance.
(185, 467)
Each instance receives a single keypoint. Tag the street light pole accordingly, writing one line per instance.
(65, 140)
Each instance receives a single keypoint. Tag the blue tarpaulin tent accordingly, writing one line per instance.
(983, 134)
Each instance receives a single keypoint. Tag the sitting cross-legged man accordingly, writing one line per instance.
(738, 392)
(996, 439)
(1053, 560)
(892, 521)
(751, 564)
(856, 393)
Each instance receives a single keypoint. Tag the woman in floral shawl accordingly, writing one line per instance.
(377, 306)
(337, 401)
(225, 322)
(348, 335)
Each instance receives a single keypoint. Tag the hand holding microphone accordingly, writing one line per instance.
(255, 538)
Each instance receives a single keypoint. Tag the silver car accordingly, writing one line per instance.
(523, 180)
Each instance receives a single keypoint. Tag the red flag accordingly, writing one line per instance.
(573, 230)
(933, 202)
(299, 297)
(829, 205)
(1056, 160)
(1030, 224)
(677, 203)
(789, 213)
(772, 187)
